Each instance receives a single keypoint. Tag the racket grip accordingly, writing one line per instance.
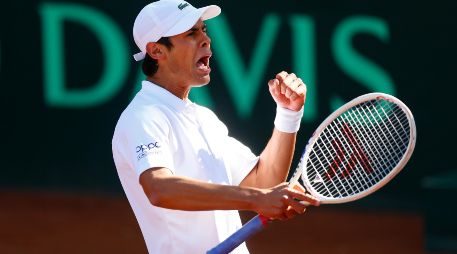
(244, 233)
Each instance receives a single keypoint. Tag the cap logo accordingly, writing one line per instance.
(182, 6)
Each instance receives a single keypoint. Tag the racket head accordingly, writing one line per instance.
(352, 153)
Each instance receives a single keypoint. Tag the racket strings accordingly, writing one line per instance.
(398, 136)
(386, 134)
(349, 185)
(385, 147)
(358, 149)
(374, 134)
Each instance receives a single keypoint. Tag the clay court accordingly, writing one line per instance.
(67, 223)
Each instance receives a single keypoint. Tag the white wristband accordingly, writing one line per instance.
(288, 120)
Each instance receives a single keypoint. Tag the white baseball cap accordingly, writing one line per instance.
(167, 18)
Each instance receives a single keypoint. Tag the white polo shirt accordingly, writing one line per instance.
(158, 129)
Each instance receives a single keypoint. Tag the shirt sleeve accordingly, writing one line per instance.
(146, 142)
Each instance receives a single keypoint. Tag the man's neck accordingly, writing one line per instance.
(179, 91)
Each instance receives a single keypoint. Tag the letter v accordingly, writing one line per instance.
(243, 83)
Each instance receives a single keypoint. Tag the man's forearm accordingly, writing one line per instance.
(181, 193)
(274, 163)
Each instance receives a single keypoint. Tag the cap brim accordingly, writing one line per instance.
(188, 21)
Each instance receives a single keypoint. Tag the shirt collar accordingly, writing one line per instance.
(164, 96)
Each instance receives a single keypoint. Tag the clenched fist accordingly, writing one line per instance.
(288, 91)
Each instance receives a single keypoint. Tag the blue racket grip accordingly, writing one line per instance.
(249, 229)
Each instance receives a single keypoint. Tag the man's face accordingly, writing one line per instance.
(188, 59)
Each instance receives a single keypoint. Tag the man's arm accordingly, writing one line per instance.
(274, 162)
(166, 190)
(289, 92)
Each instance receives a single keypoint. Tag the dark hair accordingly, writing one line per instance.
(150, 65)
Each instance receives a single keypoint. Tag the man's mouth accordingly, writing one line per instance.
(203, 63)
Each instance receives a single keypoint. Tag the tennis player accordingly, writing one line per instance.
(184, 176)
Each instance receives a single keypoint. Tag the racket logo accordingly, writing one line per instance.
(358, 156)
(318, 179)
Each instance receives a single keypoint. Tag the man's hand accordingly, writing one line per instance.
(283, 202)
(288, 91)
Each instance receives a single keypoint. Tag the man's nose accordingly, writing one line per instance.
(206, 41)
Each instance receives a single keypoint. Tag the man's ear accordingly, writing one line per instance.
(155, 50)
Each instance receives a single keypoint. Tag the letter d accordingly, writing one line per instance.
(114, 51)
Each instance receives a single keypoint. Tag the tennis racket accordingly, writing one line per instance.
(358, 149)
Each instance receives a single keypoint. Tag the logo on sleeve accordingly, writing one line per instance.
(143, 150)
(182, 6)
